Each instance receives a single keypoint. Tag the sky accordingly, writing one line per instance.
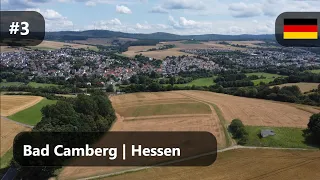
(173, 16)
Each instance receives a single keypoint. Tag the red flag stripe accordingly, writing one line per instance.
(300, 28)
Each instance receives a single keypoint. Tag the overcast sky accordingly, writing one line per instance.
(173, 16)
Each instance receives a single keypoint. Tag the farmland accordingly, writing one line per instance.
(256, 112)
(285, 137)
(13, 104)
(241, 164)
(9, 130)
(304, 87)
(136, 112)
(32, 84)
(316, 71)
(268, 77)
(197, 116)
(183, 45)
(199, 82)
(50, 45)
(31, 115)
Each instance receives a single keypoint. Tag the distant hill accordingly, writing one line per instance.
(83, 35)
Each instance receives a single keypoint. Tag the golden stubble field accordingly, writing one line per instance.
(8, 106)
(9, 130)
(257, 112)
(13, 104)
(161, 54)
(49, 45)
(241, 164)
(163, 111)
(304, 87)
(144, 112)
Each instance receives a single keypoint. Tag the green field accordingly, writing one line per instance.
(6, 159)
(2, 84)
(199, 82)
(165, 109)
(285, 137)
(269, 77)
(191, 42)
(32, 84)
(316, 71)
(41, 48)
(31, 115)
(36, 85)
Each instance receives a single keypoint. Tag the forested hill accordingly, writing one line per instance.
(82, 35)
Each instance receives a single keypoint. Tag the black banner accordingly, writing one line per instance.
(115, 149)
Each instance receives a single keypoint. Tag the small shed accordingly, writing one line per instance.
(267, 132)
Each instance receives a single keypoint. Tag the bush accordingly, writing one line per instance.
(238, 131)
(314, 127)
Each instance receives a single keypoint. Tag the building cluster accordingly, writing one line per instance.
(261, 57)
(174, 65)
(69, 62)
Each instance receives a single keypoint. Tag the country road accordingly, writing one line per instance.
(25, 125)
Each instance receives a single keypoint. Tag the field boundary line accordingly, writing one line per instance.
(25, 125)
(229, 140)
(164, 116)
(193, 157)
(155, 104)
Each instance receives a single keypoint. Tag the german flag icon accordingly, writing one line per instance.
(300, 29)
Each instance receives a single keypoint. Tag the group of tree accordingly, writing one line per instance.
(233, 80)
(313, 130)
(238, 131)
(75, 115)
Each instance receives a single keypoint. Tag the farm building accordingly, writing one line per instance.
(267, 132)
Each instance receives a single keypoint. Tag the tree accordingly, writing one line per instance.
(172, 80)
(314, 127)
(238, 131)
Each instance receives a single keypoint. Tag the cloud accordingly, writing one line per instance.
(159, 9)
(242, 10)
(184, 4)
(123, 9)
(54, 20)
(90, 3)
(143, 26)
(21, 4)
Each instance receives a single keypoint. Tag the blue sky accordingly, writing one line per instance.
(173, 16)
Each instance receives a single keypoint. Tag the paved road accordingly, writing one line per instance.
(10, 174)
(25, 125)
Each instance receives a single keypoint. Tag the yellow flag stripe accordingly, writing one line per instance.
(300, 35)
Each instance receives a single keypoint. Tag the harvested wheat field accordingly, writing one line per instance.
(304, 87)
(159, 54)
(163, 111)
(241, 164)
(256, 112)
(13, 104)
(9, 130)
(250, 111)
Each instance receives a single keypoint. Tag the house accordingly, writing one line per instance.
(267, 132)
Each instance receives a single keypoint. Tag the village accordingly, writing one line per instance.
(68, 63)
